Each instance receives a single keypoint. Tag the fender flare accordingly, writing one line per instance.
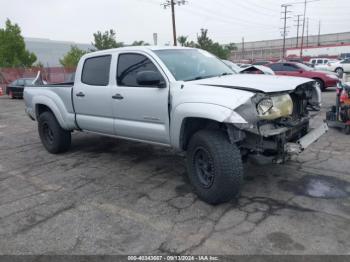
(208, 111)
(59, 111)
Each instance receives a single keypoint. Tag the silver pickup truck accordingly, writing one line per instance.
(183, 98)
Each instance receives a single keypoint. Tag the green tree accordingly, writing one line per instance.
(231, 46)
(221, 51)
(71, 59)
(13, 51)
(182, 40)
(140, 43)
(106, 40)
(38, 64)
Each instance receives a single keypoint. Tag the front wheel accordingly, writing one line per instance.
(54, 138)
(320, 84)
(214, 166)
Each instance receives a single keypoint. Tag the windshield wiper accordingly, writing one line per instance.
(226, 74)
(199, 78)
(208, 76)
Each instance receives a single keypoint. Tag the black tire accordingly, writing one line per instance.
(224, 166)
(339, 71)
(54, 138)
(320, 84)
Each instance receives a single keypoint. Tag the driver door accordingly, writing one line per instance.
(140, 112)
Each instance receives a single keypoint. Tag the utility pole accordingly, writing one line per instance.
(242, 48)
(307, 32)
(171, 4)
(298, 26)
(302, 37)
(285, 12)
(303, 30)
(319, 33)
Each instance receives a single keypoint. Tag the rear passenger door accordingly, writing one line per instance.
(92, 96)
(141, 112)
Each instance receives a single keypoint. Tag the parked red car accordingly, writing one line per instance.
(323, 79)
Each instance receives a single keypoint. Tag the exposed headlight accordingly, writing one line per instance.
(264, 106)
(333, 77)
(275, 107)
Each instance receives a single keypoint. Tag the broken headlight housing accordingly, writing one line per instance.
(270, 108)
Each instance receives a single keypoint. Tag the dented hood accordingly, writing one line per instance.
(255, 82)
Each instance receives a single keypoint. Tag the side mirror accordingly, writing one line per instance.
(149, 78)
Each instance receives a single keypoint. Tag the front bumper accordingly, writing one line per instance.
(304, 142)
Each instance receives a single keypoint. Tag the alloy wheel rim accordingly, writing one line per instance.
(49, 136)
(204, 167)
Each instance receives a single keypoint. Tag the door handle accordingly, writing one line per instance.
(118, 96)
(80, 94)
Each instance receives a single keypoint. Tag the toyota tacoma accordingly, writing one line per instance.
(184, 98)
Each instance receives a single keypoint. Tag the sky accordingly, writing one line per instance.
(226, 20)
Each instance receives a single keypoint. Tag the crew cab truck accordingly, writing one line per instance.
(183, 98)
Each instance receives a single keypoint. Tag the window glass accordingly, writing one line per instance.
(28, 81)
(319, 61)
(192, 64)
(276, 67)
(289, 67)
(96, 71)
(20, 82)
(129, 65)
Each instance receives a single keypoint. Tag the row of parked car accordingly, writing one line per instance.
(324, 79)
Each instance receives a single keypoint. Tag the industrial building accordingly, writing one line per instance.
(49, 52)
(272, 49)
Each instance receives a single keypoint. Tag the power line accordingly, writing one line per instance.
(172, 4)
(319, 33)
(302, 36)
(298, 26)
(285, 18)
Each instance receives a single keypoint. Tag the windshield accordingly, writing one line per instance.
(29, 81)
(193, 64)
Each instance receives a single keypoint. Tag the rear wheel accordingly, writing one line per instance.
(214, 166)
(339, 71)
(54, 138)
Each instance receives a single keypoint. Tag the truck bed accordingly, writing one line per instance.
(59, 95)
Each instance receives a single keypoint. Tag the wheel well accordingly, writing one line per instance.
(319, 79)
(41, 109)
(191, 125)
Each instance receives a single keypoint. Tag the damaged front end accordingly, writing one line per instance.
(278, 124)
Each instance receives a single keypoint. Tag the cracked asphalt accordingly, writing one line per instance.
(108, 196)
